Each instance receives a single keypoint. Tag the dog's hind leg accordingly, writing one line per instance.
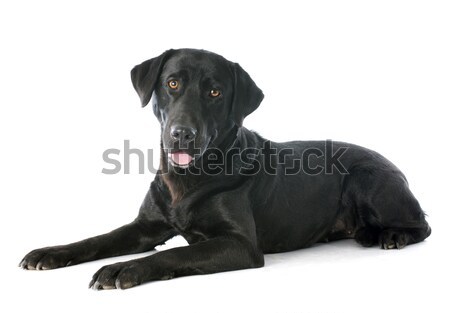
(387, 213)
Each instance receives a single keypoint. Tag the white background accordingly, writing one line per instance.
(375, 73)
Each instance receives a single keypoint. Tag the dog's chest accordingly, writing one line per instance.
(180, 218)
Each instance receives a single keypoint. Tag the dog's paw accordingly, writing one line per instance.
(393, 239)
(122, 275)
(47, 259)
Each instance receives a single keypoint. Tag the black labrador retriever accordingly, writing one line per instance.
(234, 195)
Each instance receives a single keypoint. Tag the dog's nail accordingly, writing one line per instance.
(97, 286)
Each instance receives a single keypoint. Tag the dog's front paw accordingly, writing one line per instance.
(48, 258)
(122, 275)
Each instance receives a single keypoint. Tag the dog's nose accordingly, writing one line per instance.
(183, 134)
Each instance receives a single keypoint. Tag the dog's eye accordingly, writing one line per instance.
(173, 84)
(214, 93)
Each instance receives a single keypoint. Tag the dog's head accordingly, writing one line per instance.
(198, 97)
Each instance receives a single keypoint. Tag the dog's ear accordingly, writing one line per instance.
(145, 75)
(247, 96)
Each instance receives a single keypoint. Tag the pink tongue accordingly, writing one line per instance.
(181, 158)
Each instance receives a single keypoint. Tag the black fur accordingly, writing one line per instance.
(249, 203)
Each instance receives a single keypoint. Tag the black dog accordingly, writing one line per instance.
(234, 195)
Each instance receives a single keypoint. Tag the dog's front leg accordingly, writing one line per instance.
(135, 237)
(211, 256)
